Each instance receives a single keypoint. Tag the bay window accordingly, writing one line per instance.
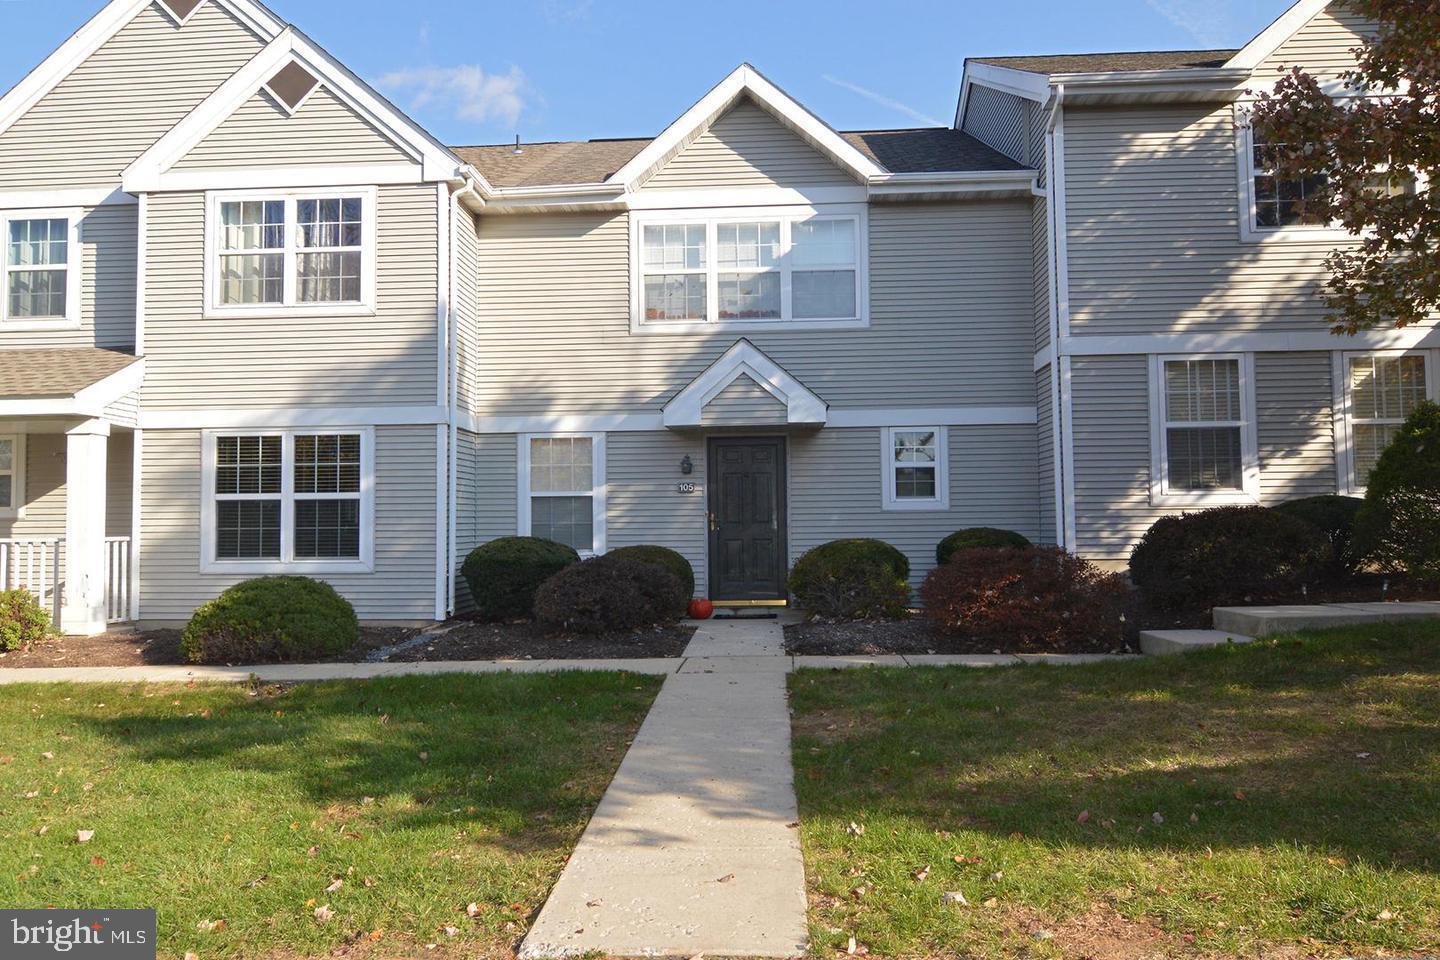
(287, 501)
(1204, 446)
(40, 269)
(280, 252)
(760, 267)
(562, 489)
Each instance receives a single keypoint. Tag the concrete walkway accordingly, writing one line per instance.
(693, 848)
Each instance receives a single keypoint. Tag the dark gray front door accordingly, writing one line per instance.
(747, 518)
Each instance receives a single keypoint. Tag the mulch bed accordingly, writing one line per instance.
(469, 641)
(524, 641)
(821, 638)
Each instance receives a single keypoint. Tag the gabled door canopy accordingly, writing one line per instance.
(802, 407)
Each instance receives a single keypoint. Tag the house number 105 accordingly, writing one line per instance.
(685, 486)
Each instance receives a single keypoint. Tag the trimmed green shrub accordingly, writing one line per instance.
(856, 579)
(665, 557)
(609, 593)
(1399, 524)
(1227, 555)
(504, 574)
(1333, 516)
(23, 621)
(1020, 599)
(271, 619)
(976, 537)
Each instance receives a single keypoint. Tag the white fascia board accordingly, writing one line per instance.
(1270, 39)
(151, 171)
(968, 183)
(1219, 77)
(744, 80)
(96, 33)
(744, 359)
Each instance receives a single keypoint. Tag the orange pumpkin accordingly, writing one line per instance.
(701, 609)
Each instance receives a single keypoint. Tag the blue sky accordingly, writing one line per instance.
(480, 71)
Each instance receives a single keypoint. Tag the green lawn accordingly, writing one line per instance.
(419, 795)
(1286, 793)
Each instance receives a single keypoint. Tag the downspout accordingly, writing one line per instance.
(454, 374)
(1052, 221)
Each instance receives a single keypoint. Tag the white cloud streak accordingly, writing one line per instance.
(466, 91)
(1207, 21)
(884, 101)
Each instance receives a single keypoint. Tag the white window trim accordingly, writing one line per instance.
(941, 500)
(710, 217)
(74, 268)
(288, 563)
(16, 510)
(1160, 493)
(597, 493)
(289, 307)
(1344, 419)
(1249, 231)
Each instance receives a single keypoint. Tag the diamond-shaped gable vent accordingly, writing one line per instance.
(181, 9)
(292, 84)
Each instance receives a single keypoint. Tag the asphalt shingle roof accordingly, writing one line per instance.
(59, 372)
(1112, 62)
(919, 150)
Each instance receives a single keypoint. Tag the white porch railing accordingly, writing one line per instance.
(33, 564)
(117, 579)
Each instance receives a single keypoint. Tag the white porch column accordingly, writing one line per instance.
(83, 612)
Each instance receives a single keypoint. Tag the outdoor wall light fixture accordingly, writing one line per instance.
(687, 466)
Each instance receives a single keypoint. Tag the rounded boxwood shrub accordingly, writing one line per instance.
(1399, 523)
(1333, 516)
(609, 593)
(976, 537)
(857, 579)
(271, 619)
(665, 557)
(1227, 555)
(23, 621)
(1026, 599)
(504, 574)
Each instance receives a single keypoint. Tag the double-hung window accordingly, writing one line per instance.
(562, 489)
(40, 269)
(12, 474)
(1203, 439)
(288, 500)
(916, 468)
(277, 252)
(760, 268)
(1381, 391)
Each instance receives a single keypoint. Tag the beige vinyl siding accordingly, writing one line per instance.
(293, 361)
(123, 98)
(108, 245)
(1045, 447)
(1322, 46)
(486, 498)
(125, 412)
(402, 588)
(467, 305)
(997, 119)
(1040, 265)
(1112, 442)
(1293, 400)
(747, 147)
(951, 321)
(45, 498)
(324, 131)
(1153, 226)
(644, 504)
(835, 490)
(466, 507)
(744, 402)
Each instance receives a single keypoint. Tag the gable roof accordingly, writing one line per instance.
(98, 31)
(916, 150)
(802, 407)
(68, 381)
(1112, 62)
(152, 170)
(1267, 41)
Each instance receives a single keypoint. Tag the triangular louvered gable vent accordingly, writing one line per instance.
(180, 9)
(292, 85)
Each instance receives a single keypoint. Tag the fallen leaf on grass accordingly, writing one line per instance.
(1083, 817)
(97, 861)
(84, 836)
(323, 914)
(1239, 794)
(850, 946)
(855, 829)
(991, 903)
(961, 859)
(1158, 817)
(47, 755)
(450, 931)
(472, 910)
(955, 897)
(205, 926)
(1384, 915)
(919, 875)
(335, 885)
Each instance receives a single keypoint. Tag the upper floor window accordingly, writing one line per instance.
(749, 268)
(1204, 446)
(278, 252)
(1381, 391)
(39, 269)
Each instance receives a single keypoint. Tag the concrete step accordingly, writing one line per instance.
(1159, 643)
(1266, 621)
